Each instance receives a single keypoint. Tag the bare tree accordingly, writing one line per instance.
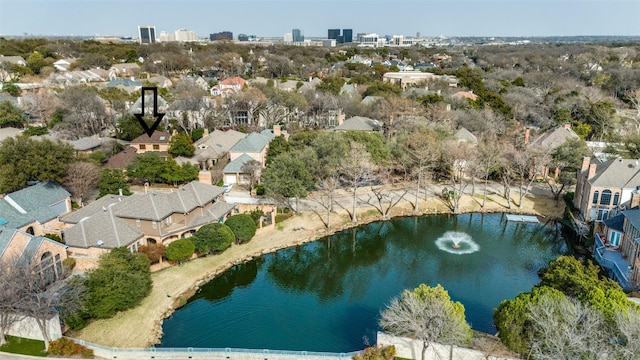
(356, 169)
(564, 328)
(525, 162)
(384, 199)
(252, 168)
(488, 159)
(423, 147)
(634, 98)
(42, 104)
(628, 325)
(81, 178)
(10, 288)
(85, 111)
(36, 295)
(458, 157)
(324, 195)
(427, 314)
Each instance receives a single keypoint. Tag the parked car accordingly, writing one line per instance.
(227, 187)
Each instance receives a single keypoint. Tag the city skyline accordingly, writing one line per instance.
(274, 18)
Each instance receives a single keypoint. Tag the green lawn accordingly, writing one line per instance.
(23, 346)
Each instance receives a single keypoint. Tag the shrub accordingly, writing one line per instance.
(154, 252)
(66, 347)
(54, 237)
(260, 190)
(180, 249)
(213, 237)
(377, 353)
(282, 217)
(256, 214)
(68, 264)
(243, 227)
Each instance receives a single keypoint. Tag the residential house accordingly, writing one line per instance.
(136, 108)
(125, 69)
(160, 81)
(157, 142)
(71, 78)
(25, 217)
(617, 246)
(127, 85)
(464, 135)
(228, 86)
(214, 146)
(122, 159)
(359, 123)
(469, 95)
(602, 186)
(6, 63)
(142, 219)
(87, 145)
(63, 64)
(252, 147)
(406, 79)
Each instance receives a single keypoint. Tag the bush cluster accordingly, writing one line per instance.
(377, 353)
(66, 347)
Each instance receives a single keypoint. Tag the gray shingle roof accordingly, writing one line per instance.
(235, 166)
(103, 229)
(217, 144)
(466, 135)
(633, 215)
(252, 143)
(359, 123)
(554, 138)
(37, 200)
(93, 208)
(617, 173)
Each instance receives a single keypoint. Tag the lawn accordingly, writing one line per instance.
(24, 346)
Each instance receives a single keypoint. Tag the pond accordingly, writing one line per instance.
(328, 295)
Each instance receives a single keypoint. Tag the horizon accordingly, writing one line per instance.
(274, 18)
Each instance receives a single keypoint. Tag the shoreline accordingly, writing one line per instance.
(174, 285)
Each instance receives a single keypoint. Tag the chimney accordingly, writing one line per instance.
(205, 133)
(585, 163)
(120, 192)
(566, 125)
(527, 133)
(276, 130)
(635, 198)
(592, 171)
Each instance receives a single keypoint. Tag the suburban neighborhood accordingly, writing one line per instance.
(262, 146)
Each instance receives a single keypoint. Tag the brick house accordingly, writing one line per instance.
(141, 219)
(602, 186)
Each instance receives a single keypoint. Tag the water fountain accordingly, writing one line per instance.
(456, 242)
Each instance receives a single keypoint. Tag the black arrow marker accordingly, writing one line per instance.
(158, 116)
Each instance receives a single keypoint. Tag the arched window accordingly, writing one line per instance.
(30, 230)
(605, 199)
(595, 196)
(616, 199)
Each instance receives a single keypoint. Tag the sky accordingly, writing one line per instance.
(274, 18)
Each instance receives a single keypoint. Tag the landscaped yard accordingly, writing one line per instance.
(24, 346)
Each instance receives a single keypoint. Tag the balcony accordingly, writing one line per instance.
(611, 259)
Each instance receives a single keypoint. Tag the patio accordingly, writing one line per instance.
(611, 259)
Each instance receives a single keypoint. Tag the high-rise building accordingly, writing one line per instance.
(147, 34)
(347, 35)
(228, 35)
(185, 35)
(287, 38)
(333, 34)
(298, 35)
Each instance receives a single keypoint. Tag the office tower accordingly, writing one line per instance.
(287, 38)
(298, 35)
(333, 34)
(228, 35)
(347, 35)
(243, 37)
(147, 34)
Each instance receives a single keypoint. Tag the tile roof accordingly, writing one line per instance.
(158, 137)
(234, 81)
(121, 159)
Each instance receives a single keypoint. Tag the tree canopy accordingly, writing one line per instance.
(10, 115)
(242, 226)
(25, 159)
(427, 314)
(213, 237)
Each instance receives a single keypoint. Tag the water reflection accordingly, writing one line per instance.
(327, 295)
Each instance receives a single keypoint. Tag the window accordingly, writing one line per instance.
(138, 222)
(614, 238)
(156, 147)
(595, 196)
(605, 199)
(603, 214)
(143, 147)
(168, 220)
(242, 118)
(154, 224)
(616, 199)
